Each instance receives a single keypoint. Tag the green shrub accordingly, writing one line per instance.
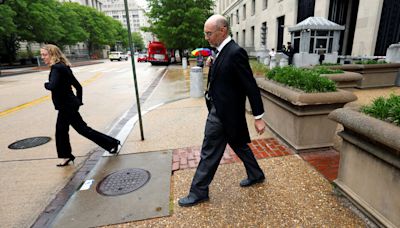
(330, 64)
(386, 109)
(304, 79)
(370, 61)
(324, 70)
(258, 68)
(22, 55)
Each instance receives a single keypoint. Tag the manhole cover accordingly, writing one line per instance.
(123, 182)
(29, 142)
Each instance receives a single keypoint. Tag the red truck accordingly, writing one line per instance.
(157, 53)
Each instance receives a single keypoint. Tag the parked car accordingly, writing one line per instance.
(142, 58)
(117, 55)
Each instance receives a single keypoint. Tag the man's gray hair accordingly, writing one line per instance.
(222, 22)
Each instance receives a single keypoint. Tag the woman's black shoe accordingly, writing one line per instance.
(114, 149)
(71, 159)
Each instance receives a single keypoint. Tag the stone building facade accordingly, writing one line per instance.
(97, 4)
(259, 25)
(137, 17)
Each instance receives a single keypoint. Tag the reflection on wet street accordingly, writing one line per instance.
(174, 85)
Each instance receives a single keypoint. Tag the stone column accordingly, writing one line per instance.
(305, 37)
(336, 38)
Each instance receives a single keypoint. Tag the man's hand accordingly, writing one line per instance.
(209, 61)
(260, 126)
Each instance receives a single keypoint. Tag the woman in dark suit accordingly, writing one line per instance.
(67, 103)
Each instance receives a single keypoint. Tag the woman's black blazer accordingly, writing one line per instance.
(61, 79)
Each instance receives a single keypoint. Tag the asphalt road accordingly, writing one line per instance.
(30, 179)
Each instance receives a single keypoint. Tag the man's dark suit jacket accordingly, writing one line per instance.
(231, 80)
(61, 79)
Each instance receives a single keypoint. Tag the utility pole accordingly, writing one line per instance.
(1, 2)
(133, 67)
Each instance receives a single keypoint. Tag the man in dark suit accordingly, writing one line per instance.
(290, 53)
(230, 80)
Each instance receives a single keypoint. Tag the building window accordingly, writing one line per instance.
(237, 16)
(244, 38)
(320, 40)
(244, 12)
(263, 33)
(265, 4)
(305, 9)
(231, 19)
(253, 7)
(252, 36)
(237, 37)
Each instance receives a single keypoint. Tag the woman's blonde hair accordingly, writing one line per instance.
(56, 55)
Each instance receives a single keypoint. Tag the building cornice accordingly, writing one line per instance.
(231, 7)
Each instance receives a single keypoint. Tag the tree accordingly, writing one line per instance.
(37, 20)
(49, 21)
(179, 23)
(7, 28)
(137, 40)
(7, 25)
(119, 34)
(96, 25)
(73, 32)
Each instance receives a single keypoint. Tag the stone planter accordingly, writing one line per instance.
(374, 75)
(299, 118)
(345, 80)
(369, 170)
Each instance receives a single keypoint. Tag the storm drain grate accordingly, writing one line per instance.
(123, 182)
(29, 142)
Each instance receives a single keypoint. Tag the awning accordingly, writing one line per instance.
(316, 23)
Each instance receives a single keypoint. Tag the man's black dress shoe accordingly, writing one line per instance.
(191, 200)
(248, 182)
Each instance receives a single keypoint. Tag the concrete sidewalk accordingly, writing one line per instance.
(295, 193)
(298, 190)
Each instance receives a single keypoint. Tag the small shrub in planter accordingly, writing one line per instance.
(386, 109)
(330, 64)
(340, 77)
(297, 102)
(369, 169)
(370, 61)
(304, 79)
(258, 68)
(324, 70)
(375, 73)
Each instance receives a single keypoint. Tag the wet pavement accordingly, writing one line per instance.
(298, 190)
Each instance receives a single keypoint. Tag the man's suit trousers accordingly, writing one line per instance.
(214, 144)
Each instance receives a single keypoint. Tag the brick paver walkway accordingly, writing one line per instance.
(324, 161)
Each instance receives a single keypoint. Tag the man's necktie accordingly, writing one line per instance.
(216, 52)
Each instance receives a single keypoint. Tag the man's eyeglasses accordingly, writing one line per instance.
(208, 34)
